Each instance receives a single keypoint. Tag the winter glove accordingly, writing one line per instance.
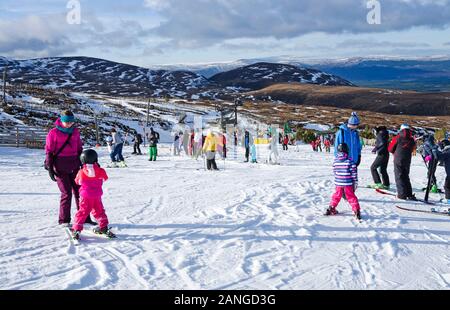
(355, 186)
(52, 174)
(428, 158)
(374, 151)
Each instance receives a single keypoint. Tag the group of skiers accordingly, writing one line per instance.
(348, 157)
(317, 143)
(78, 173)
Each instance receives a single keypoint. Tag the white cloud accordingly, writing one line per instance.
(200, 22)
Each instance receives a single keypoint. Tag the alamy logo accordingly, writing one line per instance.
(374, 15)
(74, 15)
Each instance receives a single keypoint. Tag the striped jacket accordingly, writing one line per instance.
(345, 171)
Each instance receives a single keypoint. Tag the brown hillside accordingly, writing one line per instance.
(358, 98)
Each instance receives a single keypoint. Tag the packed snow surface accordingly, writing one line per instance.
(245, 227)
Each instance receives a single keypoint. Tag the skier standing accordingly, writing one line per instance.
(402, 147)
(91, 178)
(157, 136)
(176, 145)
(117, 145)
(63, 147)
(285, 143)
(346, 181)
(247, 145)
(348, 134)
(429, 146)
(382, 159)
(253, 154)
(327, 144)
(444, 155)
(273, 153)
(209, 148)
(153, 147)
(137, 139)
(224, 142)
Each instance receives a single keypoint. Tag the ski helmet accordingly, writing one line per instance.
(343, 148)
(89, 157)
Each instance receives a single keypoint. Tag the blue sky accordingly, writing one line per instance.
(149, 32)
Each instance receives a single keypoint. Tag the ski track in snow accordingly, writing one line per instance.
(245, 227)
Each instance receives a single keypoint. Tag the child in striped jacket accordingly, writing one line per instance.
(346, 181)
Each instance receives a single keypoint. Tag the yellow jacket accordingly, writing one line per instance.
(210, 143)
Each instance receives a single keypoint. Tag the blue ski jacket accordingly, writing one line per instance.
(351, 138)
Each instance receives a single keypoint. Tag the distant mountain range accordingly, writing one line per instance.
(423, 74)
(100, 76)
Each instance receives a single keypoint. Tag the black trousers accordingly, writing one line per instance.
(211, 164)
(381, 162)
(404, 187)
(247, 153)
(432, 165)
(137, 148)
(285, 147)
(447, 187)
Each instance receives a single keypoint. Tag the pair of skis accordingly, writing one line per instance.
(431, 211)
(76, 242)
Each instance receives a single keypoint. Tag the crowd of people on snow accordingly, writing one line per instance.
(79, 175)
(348, 146)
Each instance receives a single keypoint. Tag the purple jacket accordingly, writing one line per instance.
(68, 160)
(345, 171)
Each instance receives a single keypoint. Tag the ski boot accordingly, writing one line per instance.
(331, 211)
(113, 165)
(376, 186)
(76, 235)
(357, 215)
(104, 231)
(122, 164)
(412, 198)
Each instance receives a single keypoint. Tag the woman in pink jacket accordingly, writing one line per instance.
(63, 148)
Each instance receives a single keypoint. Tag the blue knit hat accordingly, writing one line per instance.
(354, 119)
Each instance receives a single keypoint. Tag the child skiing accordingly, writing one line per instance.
(91, 178)
(346, 181)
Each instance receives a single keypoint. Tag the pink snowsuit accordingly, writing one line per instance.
(91, 179)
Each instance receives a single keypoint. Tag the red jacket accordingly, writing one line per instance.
(402, 146)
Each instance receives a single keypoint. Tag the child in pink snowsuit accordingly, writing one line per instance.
(91, 178)
(346, 181)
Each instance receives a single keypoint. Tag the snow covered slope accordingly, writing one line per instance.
(180, 227)
(262, 74)
(85, 74)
